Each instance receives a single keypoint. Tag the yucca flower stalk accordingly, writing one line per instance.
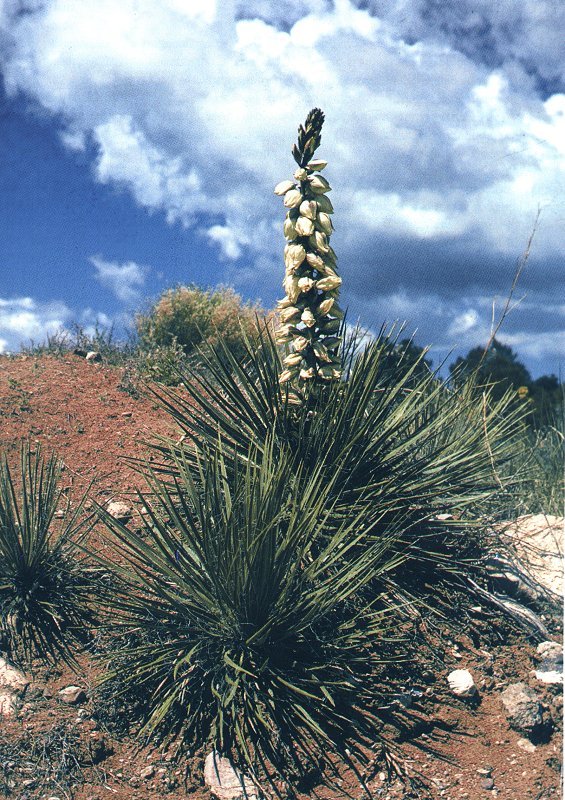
(309, 313)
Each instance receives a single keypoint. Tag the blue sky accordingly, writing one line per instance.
(141, 140)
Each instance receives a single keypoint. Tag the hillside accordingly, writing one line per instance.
(94, 417)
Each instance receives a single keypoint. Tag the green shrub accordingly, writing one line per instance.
(188, 316)
(44, 586)
(240, 590)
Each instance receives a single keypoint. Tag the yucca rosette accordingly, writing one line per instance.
(309, 313)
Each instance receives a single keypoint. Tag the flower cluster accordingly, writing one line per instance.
(310, 314)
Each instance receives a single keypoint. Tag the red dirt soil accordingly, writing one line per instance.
(88, 415)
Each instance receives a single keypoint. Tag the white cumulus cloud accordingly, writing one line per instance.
(125, 281)
(445, 124)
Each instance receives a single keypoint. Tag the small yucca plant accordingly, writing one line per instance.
(240, 588)
(44, 584)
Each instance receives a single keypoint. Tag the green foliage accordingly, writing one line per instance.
(401, 442)
(241, 589)
(538, 464)
(541, 398)
(44, 586)
(188, 316)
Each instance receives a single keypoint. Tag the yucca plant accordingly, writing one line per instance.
(241, 587)
(402, 439)
(45, 587)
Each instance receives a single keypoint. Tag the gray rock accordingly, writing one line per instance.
(522, 707)
(487, 783)
(225, 781)
(72, 695)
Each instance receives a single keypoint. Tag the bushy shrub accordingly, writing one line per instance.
(44, 585)
(188, 316)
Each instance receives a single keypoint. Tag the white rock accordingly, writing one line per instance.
(538, 540)
(72, 695)
(12, 683)
(550, 650)
(119, 510)
(549, 677)
(525, 744)
(93, 356)
(461, 683)
(225, 781)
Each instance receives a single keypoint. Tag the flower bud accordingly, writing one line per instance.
(308, 209)
(315, 261)
(301, 174)
(324, 204)
(288, 229)
(308, 317)
(300, 343)
(292, 198)
(319, 242)
(292, 360)
(284, 303)
(305, 284)
(290, 314)
(287, 375)
(304, 226)
(294, 255)
(319, 185)
(329, 372)
(293, 399)
(328, 283)
(324, 307)
(320, 352)
(325, 223)
(307, 374)
(284, 186)
(317, 164)
(290, 285)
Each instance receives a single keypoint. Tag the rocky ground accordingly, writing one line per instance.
(493, 729)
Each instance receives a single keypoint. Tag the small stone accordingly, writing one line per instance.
(93, 357)
(461, 683)
(127, 413)
(485, 772)
(525, 744)
(225, 782)
(119, 510)
(147, 772)
(72, 695)
(487, 783)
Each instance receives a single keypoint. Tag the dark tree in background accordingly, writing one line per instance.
(501, 367)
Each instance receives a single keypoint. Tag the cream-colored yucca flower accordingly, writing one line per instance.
(308, 317)
(284, 186)
(305, 284)
(304, 227)
(309, 313)
(290, 314)
(308, 208)
(293, 198)
(329, 283)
